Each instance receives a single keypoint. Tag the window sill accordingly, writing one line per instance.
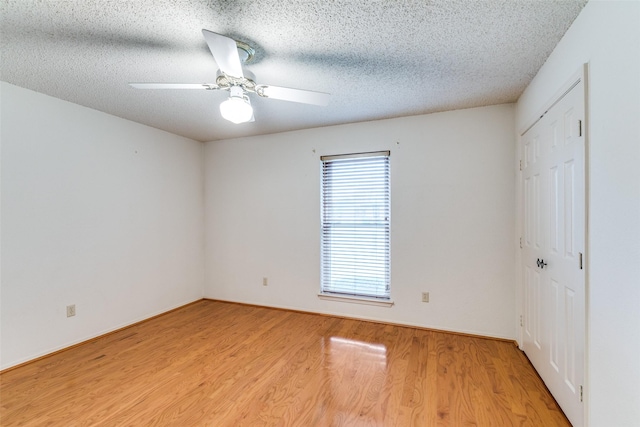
(356, 300)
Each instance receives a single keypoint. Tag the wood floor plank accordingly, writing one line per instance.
(223, 364)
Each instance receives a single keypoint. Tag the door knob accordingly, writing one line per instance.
(541, 263)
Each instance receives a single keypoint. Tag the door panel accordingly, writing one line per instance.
(554, 226)
(554, 343)
(569, 201)
(534, 243)
(554, 194)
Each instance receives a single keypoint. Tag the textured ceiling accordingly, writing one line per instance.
(378, 59)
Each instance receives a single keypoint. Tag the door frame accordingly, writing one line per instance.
(581, 74)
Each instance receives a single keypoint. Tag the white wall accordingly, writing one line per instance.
(97, 211)
(607, 36)
(453, 203)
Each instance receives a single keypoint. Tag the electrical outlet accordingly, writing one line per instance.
(265, 281)
(425, 297)
(71, 310)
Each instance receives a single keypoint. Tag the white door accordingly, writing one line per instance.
(553, 249)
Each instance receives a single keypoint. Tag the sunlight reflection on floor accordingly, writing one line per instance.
(354, 372)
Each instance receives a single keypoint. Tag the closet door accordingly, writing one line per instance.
(553, 249)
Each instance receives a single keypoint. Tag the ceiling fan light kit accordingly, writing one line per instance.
(237, 108)
(229, 55)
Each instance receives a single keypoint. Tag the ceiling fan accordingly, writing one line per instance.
(230, 77)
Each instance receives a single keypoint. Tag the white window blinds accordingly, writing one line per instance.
(355, 225)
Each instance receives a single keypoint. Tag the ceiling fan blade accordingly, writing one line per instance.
(225, 52)
(205, 86)
(294, 95)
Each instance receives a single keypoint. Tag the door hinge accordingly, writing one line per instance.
(580, 256)
(579, 127)
(521, 322)
(581, 394)
(520, 164)
(521, 243)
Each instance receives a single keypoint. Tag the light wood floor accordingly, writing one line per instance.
(221, 364)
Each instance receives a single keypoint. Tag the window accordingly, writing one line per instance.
(355, 225)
